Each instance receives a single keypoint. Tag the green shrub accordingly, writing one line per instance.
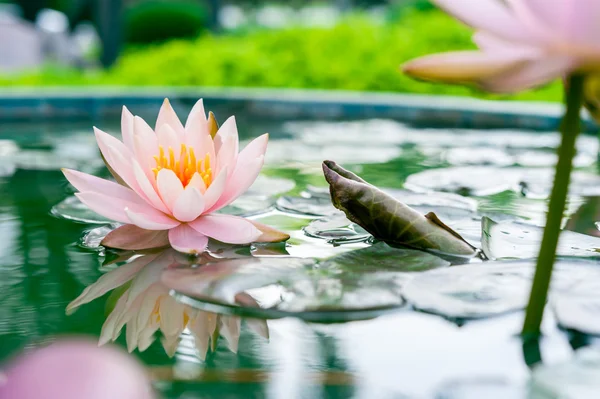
(159, 20)
(356, 54)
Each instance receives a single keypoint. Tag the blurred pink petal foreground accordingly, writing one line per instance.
(174, 178)
(75, 369)
(523, 43)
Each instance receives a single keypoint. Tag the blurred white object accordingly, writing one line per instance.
(274, 16)
(54, 26)
(27, 46)
(9, 10)
(21, 44)
(85, 40)
(232, 17)
(319, 16)
(52, 21)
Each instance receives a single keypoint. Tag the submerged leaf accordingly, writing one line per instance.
(388, 219)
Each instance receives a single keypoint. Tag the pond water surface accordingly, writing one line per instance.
(421, 326)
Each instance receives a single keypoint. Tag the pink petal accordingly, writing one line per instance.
(197, 182)
(227, 143)
(196, 124)
(169, 187)
(189, 205)
(185, 239)
(109, 207)
(117, 155)
(146, 189)
(248, 165)
(88, 183)
(150, 274)
(462, 66)
(230, 330)
(532, 74)
(152, 294)
(227, 155)
(582, 22)
(241, 180)
(109, 328)
(215, 190)
(573, 22)
(145, 146)
(490, 44)
(226, 228)
(74, 368)
(169, 140)
(131, 237)
(257, 325)
(488, 15)
(171, 317)
(202, 145)
(255, 149)
(199, 330)
(167, 116)
(150, 221)
(127, 128)
(109, 281)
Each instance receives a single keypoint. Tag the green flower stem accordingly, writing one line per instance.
(543, 272)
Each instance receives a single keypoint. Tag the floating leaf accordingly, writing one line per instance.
(336, 230)
(578, 306)
(514, 240)
(380, 257)
(476, 181)
(465, 180)
(388, 219)
(73, 209)
(358, 282)
(574, 378)
(481, 387)
(476, 291)
(260, 197)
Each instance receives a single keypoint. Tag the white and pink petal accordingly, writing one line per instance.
(185, 239)
(226, 228)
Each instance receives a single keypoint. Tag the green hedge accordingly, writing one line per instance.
(159, 20)
(357, 54)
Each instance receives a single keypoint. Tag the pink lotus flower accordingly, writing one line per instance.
(173, 179)
(524, 43)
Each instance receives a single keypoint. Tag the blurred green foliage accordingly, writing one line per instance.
(357, 54)
(159, 20)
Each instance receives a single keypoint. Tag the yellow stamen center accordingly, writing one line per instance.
(185, 165)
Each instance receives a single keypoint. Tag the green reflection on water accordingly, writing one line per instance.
(42, 269)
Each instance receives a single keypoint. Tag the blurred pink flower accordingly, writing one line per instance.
(75, 369)
(174, 179)
(523, 43)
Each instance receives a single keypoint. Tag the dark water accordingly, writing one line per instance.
(406, 353)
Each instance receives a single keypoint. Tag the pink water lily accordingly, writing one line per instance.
(173, 179)
(523, 43)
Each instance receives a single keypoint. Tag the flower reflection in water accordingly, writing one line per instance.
(145, 307)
